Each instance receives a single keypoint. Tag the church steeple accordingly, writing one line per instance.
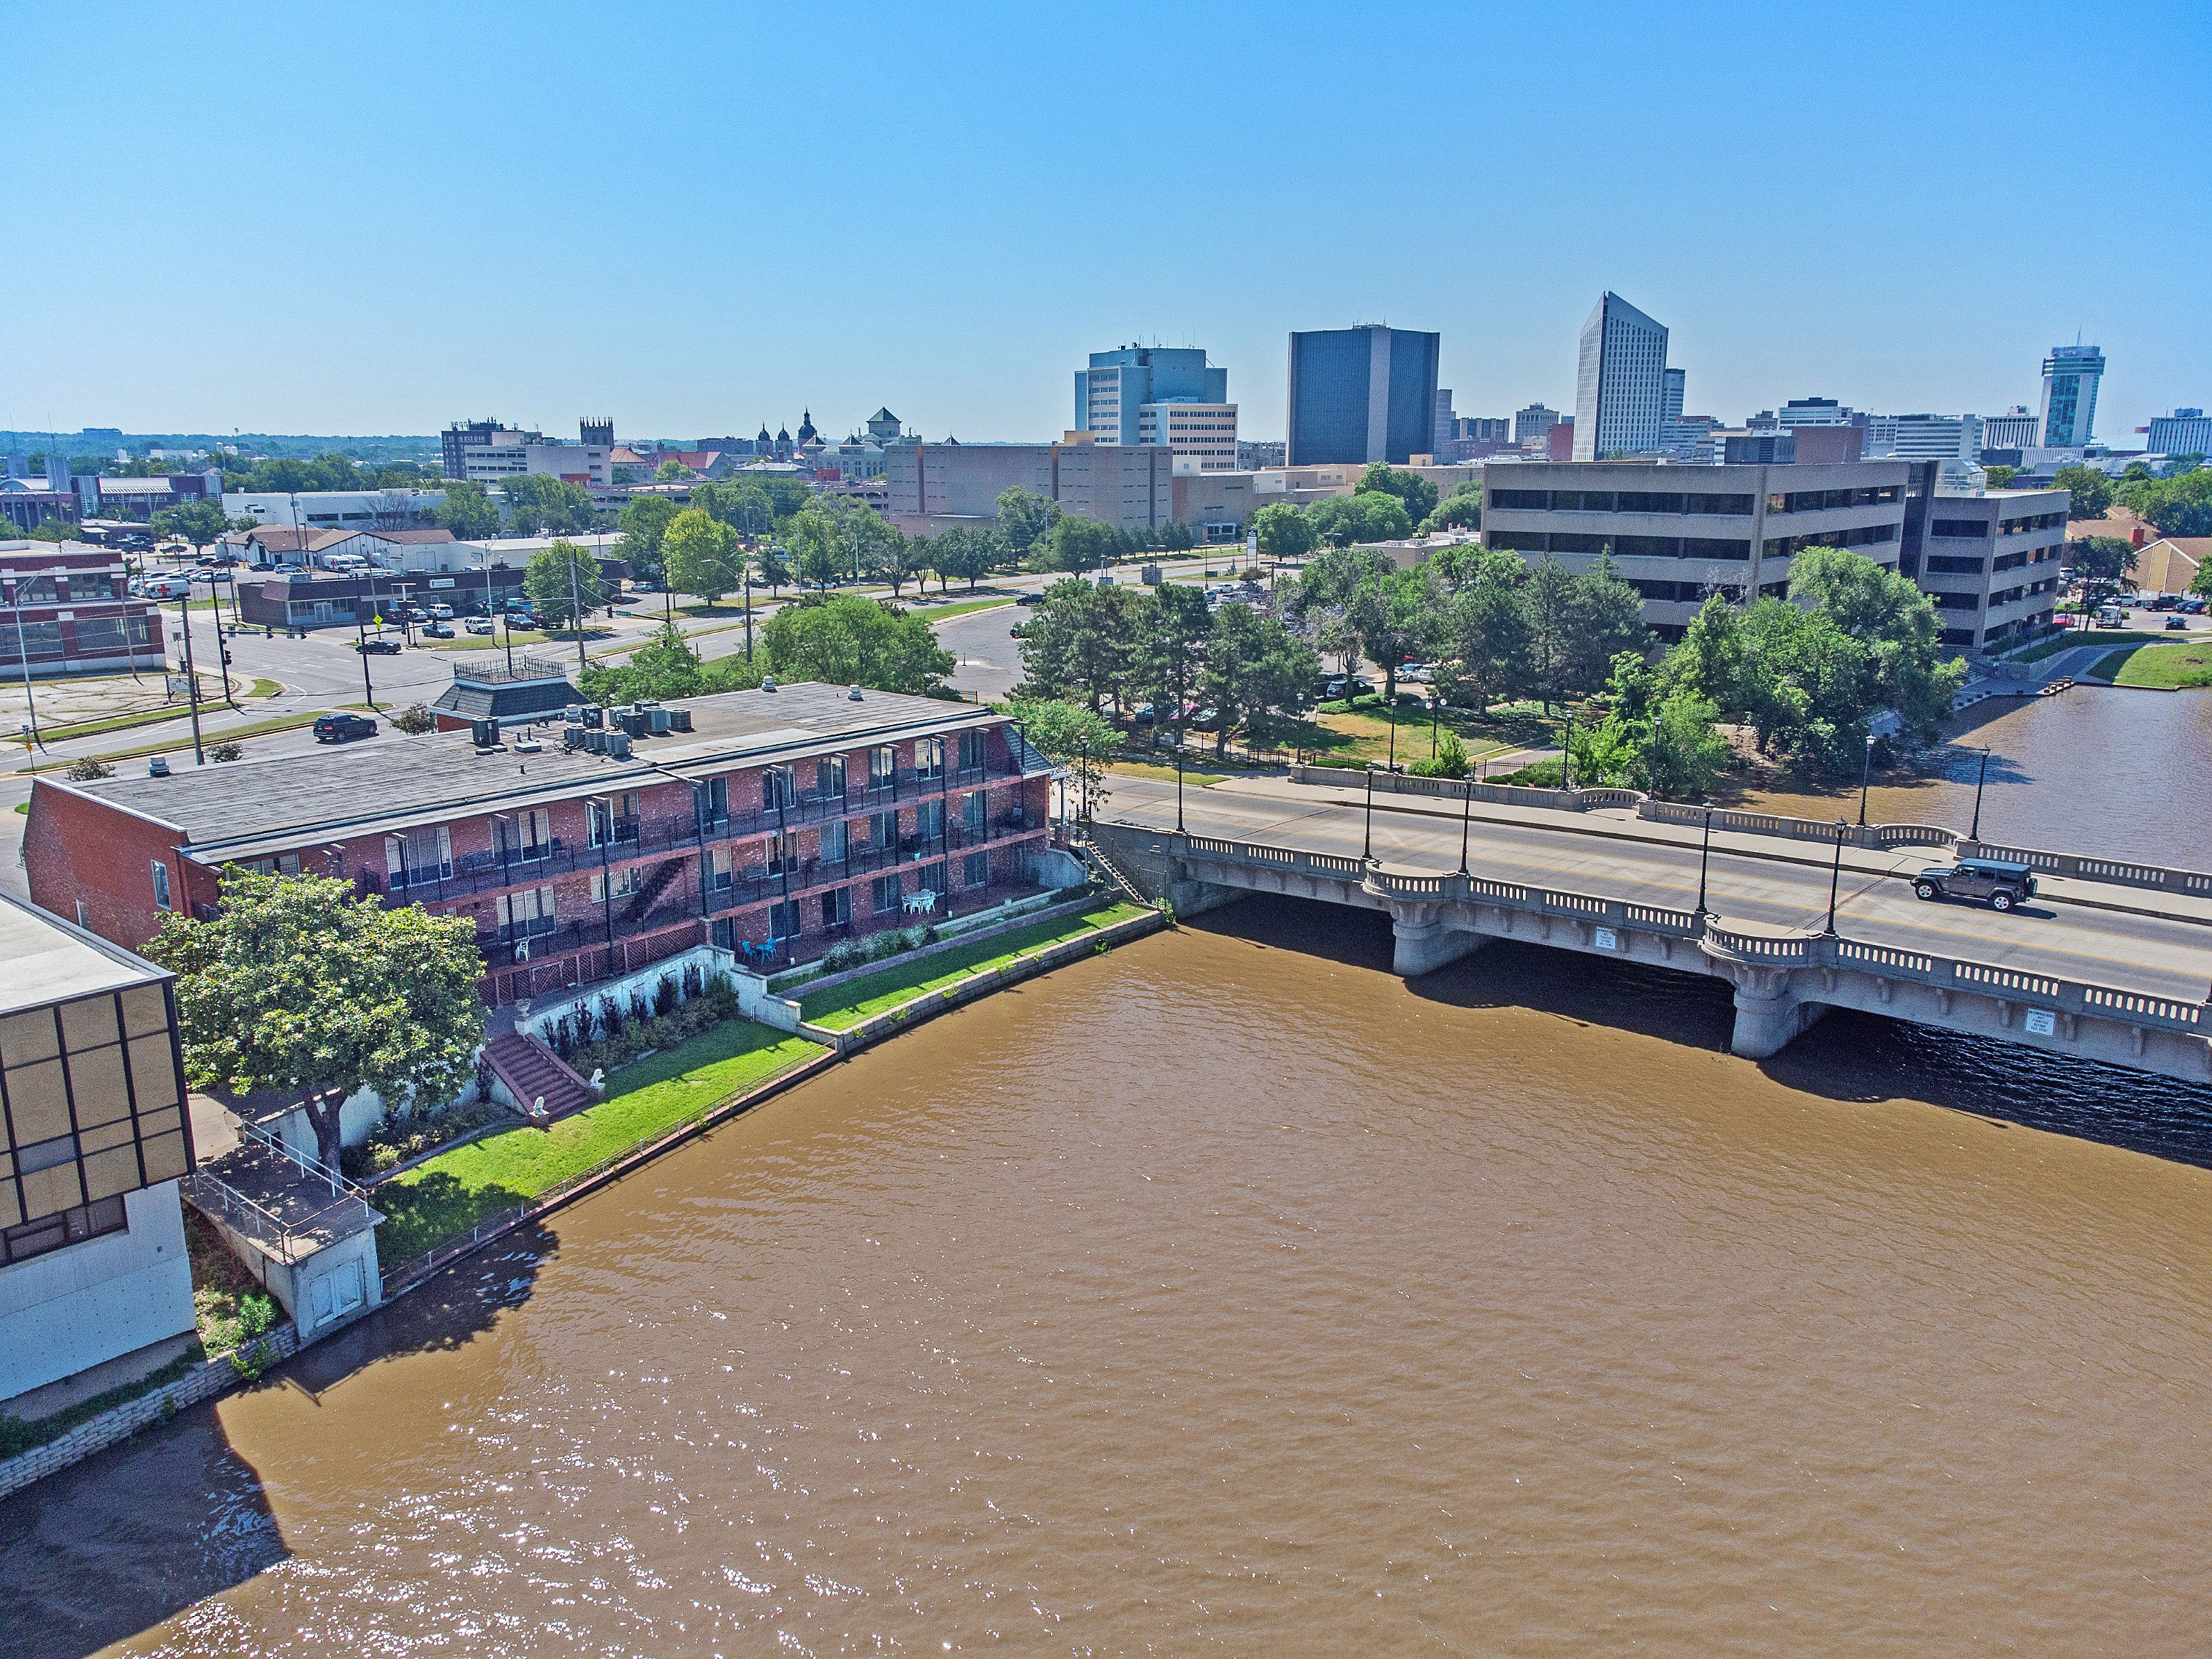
(806, 432)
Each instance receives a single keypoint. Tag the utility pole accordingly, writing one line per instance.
(192, 678)
(576, 608)
(23, 656)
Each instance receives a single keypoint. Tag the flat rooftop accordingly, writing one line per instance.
(49, 961)
(250, 809)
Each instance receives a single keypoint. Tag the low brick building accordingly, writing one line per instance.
(67, 609)
(773, 821)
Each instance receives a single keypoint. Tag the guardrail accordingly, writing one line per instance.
(220, 1201)
(1717, 939)
(1879, 836)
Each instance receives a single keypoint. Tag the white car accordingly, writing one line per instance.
(476, 625)
(441, 613)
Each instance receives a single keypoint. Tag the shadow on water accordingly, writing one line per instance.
(129, 1538)
(142, 1531)
(1846, 1056)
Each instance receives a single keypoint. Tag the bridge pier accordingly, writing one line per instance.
(1422, 941)
(1769, 1012)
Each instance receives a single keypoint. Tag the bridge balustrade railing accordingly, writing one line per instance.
(2118, 872)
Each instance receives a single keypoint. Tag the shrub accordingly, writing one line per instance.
(225, 751)
(88, 770)
(403, 1135)
(415, 720)
(1450, 761)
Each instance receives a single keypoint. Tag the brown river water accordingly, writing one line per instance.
(1228, 1295)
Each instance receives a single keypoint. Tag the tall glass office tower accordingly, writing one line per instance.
(1620, 388)
(1362, 394)
(2070, 374)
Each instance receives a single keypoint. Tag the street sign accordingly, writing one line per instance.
(178, 685)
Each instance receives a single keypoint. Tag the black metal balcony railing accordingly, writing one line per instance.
(491, 871)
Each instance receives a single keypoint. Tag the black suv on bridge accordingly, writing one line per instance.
(1992, 881)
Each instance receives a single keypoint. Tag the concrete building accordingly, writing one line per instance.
(337, 509)
(1924, 437)
(2070, 374)
(2184, 432)
(1202, 437)
(1989, 558)
(512, 455)
(65, 607)
(1678, 534)
(1113, 392)
(1672, 395)
(769, 823)
(933, 487)
(1532, 422)
(1254, 453)
(1620, 383)
(94, 1281)
(1361, 394)
(140, 499)
(2015, 428)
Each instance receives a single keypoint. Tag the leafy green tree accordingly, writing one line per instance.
(297, 985)
(671, 471)
(1076, 545)
(200, 523)
(468, 512)
(1285, 532)
(546, 506)
(848, 640)
(1896, 622)
(1416, 494)
(1255, 672)
(1078, 642)
(1483, 630)
(2102, 560)
(895, 558)
(1172, 627)
(1025, 519)
(812, 540)
(1368, 516)
(1078, 740)
(700, 553)
(1461, 510)
(561, 578)
(666, 667)
(2093, 492)
(962, 554)
(644, 520)
(1396, 612)
(771, 568)
(1999, 477)
(2178, 505)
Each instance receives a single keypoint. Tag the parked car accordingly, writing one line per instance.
(2162, 602)
(414, 613)
(441, 613)
(343, 728)
(2191, 606)
(1030, 598)
(379, 646)
(477, 625)
(2174, 622)
(1143, 715)
(1206, 720)
(437, 631)
(1993, 882)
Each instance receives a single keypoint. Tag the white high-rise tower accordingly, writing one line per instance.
(1620, 390)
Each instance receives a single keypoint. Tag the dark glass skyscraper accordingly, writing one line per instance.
(1361, 394)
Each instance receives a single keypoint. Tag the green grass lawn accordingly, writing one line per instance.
(2163, 666)
(1192, 778)
(2072, 637)
(445, 1196)
(843, 1006)
(937, 613)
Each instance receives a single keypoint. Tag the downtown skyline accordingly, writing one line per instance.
(700, 225)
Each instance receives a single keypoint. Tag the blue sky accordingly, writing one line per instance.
(378, 218)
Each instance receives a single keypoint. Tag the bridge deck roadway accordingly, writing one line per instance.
(2125, 938)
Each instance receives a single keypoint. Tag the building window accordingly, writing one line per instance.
(719, 874)
(883, 764)
(829, 776)
(837, 906)
(883, 831)
(883, 893)
(974, 812)
(50, 1232)
(525, 914)
(975, 869)
(160, 886)
(780, 856)
(832, 842)
(783, 919)
(929, 758)
(971, 751)
(779, 788)
(718, 800)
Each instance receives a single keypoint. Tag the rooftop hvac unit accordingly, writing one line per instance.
(485, 731)
(575, 714)
(592, 713)
(632, 721)
(595, 740)
(618, 745)
(572, 735)
(659, 719)
(682, 717)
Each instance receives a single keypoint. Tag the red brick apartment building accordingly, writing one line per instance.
(67, 610)
(773, 821)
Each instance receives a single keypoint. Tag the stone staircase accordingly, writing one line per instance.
(1110, 873)
(533, 1073)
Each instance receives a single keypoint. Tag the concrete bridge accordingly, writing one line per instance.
(2110, 962)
